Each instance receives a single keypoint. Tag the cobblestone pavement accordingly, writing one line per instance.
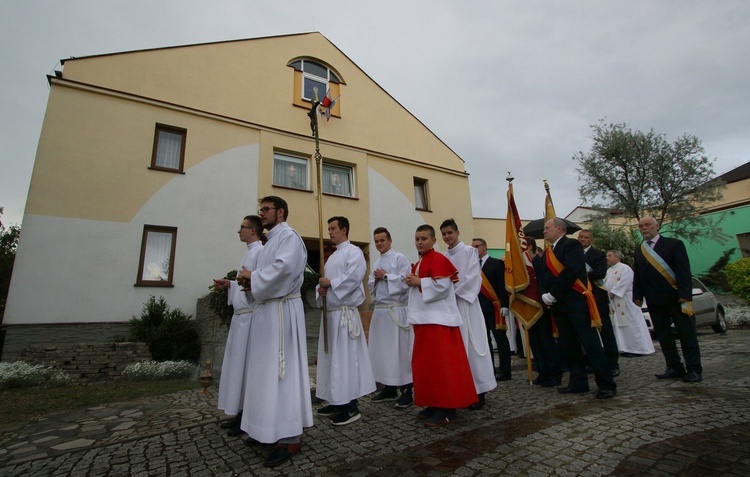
(650, 428)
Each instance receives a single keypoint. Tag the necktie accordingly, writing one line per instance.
(650, 243)
(480, 262)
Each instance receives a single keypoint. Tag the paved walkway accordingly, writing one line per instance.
(651, 428)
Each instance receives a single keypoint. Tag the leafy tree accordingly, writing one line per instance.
(716, 276)
(8, 245)
(607, 237)
(642, 174)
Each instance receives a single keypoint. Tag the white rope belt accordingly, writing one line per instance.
(280, 301)
(465, 314)
(243, 311)
(347, 322)
(390, 313)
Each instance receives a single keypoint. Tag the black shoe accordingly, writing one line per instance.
(692, 377)
(670, 373)
(569, 390)
(549, 383)
(280, 454)
(250, 442)
(606, 393)
(440, 419)
(235, 431)
(329, 410)
(426, 413)
(502, 377)
(615, 372)
(346, 416)
(405, 400)
(589, 369)
(233, 421)
(387, 394)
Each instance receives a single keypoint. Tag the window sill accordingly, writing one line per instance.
(164, 169)
(330, 194)
(291, 188)
(153, 284)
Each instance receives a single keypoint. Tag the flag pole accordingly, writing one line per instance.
(319, 173)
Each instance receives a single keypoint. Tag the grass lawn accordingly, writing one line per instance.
(23, 405)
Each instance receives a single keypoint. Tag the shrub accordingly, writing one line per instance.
(169, 334)
(20, 374)
(716, 277)
(217, 301)
(738, 276)
(155, 371)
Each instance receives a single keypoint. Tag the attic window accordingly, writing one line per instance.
(314, 75)
(310, 75)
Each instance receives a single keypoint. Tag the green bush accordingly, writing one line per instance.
(169, 334)
(716, 276)
(738, 276)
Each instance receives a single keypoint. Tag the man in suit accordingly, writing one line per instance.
(563, 284)
(543, 344)
(494, 271)
(662, 277)
(596, 267)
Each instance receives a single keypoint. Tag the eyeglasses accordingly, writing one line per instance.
(263, 210)
(246, 226)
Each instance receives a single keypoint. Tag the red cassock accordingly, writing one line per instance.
(440, 367)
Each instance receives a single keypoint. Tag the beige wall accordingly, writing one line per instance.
(93, 164)
(248, 80)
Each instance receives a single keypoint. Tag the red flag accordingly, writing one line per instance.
(327, 104)
(520, 281)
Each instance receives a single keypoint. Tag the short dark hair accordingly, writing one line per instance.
(382, 230)
(255, 223)
(449, 223)
(531, 243)
(427, 228)
(342, 222)
(480, 240)
(277, 202)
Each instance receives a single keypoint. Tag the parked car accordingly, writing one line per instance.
(708, 310)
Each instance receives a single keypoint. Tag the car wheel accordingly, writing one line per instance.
(721, 324)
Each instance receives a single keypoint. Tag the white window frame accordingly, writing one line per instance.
(288, 161)
(329, 169)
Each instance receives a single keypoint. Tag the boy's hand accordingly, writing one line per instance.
(413, 280)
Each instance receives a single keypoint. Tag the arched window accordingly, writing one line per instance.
(311, 74)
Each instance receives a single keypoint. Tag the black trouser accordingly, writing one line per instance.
(609, 341)
(545, 348)
(662, 317)
(503, 346)
(576, 332)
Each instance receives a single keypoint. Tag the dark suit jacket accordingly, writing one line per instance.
(570, 253)
(495, 271)
(597, 260)
(650, 284)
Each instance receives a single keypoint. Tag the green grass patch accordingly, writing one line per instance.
(22, 405)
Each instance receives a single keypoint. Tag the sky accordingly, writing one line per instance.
(510, 86)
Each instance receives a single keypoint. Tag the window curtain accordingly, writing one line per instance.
(169, 150)
(337, 180)
(157, 259)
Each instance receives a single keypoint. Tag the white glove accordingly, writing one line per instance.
(548, 299)
(504, 312)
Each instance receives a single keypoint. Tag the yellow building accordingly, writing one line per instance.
(148, 161)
